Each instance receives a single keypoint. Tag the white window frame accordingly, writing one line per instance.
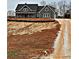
(25, 9)
(46, 9)
(46, 15)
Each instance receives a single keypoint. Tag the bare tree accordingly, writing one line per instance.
(62, 6)
(53, 4)
(69, 5)
(43, 3)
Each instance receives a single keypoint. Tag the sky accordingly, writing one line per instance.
(11, 4)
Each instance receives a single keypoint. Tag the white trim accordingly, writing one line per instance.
(41, 9)
(25, 10)
(54, 13)
(51, 9)
(23, 7)
(44, 7)
(46, 15)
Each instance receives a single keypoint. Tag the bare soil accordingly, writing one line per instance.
(28, 46)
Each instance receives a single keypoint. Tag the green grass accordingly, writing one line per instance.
(12, 53)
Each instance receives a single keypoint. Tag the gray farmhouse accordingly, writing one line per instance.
(34, 11)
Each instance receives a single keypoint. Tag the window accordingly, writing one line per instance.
(46, 9)
(46, 15)
(25, 9)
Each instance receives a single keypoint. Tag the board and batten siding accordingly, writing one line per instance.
(46, 13)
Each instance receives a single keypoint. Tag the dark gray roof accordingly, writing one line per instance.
(31, 6)
(52, 7)
(39, 8)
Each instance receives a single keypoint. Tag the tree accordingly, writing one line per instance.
(69, 5)
(62, 6)
(43, 3)
(53, 4)
(68, 11)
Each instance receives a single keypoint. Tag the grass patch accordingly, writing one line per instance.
(12, 53)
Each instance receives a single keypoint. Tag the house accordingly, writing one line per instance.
(34, 11)
(68, 14)
(11, 13)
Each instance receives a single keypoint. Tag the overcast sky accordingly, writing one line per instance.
(11, 4)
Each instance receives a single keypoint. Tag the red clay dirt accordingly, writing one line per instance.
(29, 46)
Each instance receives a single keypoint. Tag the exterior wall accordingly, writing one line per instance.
(25, 14)
(25, 9)
(43, 12)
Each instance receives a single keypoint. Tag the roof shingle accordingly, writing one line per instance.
(31, 6)
(34, 7)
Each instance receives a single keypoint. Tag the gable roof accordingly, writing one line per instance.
(19, 6)
(31, 6)
(39, 8)
(52, 8)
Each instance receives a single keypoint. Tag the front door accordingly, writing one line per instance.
(26, 15)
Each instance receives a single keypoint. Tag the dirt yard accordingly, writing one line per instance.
(30, 40)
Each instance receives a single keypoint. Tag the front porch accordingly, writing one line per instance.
(25, 15)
